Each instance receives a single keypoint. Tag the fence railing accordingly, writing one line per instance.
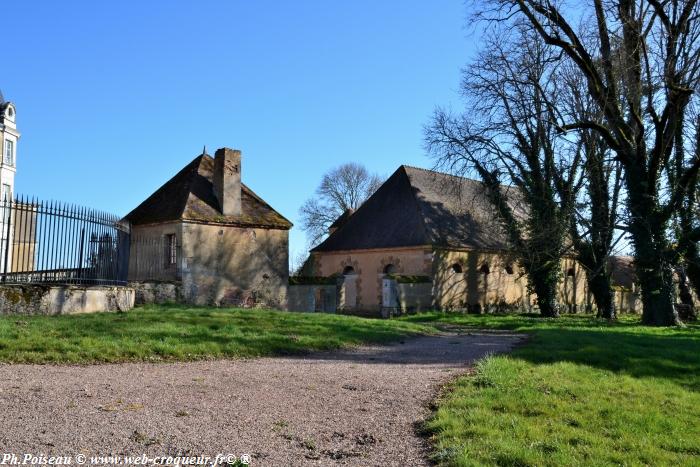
(52, 242)
(154, 257)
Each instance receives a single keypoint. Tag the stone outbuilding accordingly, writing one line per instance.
(204, 237)
(430, 240)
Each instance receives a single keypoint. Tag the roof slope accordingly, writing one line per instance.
(342, 219)
(189, 195)
(622, 271)
(420, 207)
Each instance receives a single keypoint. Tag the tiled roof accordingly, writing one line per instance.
(421, 207)
(622, 271)
(189, 195)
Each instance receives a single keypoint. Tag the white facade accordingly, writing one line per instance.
(9, 136)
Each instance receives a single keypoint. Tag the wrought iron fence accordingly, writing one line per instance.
(154, 257)
(53, 242)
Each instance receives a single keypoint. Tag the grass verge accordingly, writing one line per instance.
(580, 392)
(177, 333)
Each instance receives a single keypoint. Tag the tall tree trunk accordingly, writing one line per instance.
(686, 310)
(692, 267)
(651, 251)
(655, 276)
(599, 285)
(544, 281)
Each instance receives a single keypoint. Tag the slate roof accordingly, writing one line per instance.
(417, 207)
(189, 195)
(622, 271)
(3, 106)
(342, 219)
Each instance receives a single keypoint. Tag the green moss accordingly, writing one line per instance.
(312, 280)
(17, 294)
(406, 279)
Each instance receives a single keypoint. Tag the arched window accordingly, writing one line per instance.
(389, 269)
(570, 272)
(509, 269)
(348, 271)
(456, 268)
(484, 269)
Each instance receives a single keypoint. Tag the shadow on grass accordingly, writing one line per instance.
(623, 346)
(639, 354)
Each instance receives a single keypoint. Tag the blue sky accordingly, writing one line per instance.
(113, 98)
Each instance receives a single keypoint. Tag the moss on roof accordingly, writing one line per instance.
(189, 196)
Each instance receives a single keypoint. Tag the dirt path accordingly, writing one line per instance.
(355, 407)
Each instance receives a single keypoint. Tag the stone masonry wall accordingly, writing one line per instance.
(154, 292)
(234, 266)
(61, 300)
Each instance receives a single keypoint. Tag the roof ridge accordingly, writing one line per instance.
(437, 172)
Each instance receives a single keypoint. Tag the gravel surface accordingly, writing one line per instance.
(355, 407)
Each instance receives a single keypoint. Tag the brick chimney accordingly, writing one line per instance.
(227, 180)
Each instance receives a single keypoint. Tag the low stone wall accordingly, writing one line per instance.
(415, 297)
(312, 298)
(157, 292)
(63, 299)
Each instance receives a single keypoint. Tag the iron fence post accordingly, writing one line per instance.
(8, 211)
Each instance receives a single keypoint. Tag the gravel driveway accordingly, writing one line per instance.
(356, 407)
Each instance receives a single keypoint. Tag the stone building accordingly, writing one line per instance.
(210, 238)
(426, 240)
(9, 136)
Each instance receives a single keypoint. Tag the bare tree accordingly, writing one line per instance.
(593, 230)
(686, 223)
(508, 137)
(344, 187)
(641, 67)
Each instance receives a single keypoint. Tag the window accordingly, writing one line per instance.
(9, 158)
(6, 192)
(457, 268)
(172, 249)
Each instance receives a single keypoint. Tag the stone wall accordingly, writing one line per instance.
(369, 268)
(157, 292)
(217, 265)
(477, 281)
(148, 253)
(63, 299)
(234, 266)
(415, 297)
(312, 298)
(474, 281)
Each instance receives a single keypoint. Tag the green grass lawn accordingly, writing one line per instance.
(169, 333)
(580, 392)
